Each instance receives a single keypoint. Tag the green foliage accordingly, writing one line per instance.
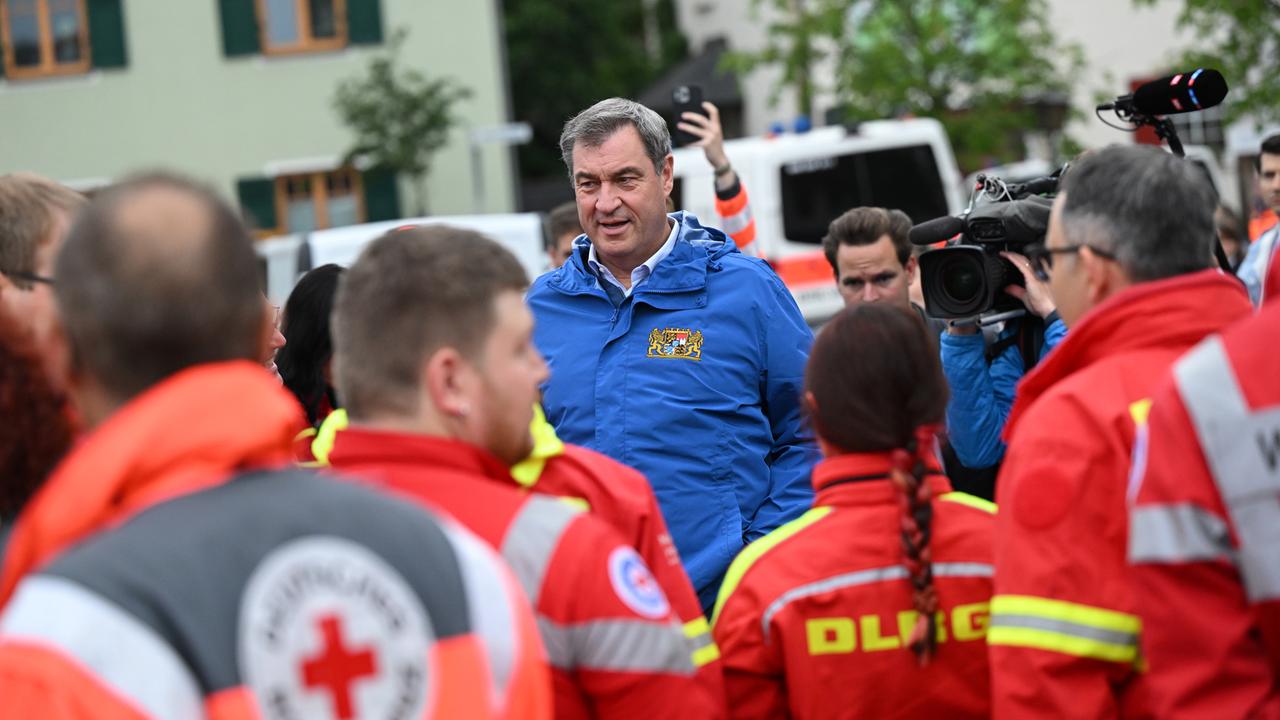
(400, 118)
(1240, 38)
(973, 64)
(565, 55)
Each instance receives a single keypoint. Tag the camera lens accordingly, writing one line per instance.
(961, 281)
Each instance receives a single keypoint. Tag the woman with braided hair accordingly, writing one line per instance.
(875, 602)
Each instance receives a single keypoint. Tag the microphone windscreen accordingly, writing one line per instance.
(1184, 92)
(936, 230)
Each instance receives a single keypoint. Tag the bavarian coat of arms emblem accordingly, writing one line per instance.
(681, 343)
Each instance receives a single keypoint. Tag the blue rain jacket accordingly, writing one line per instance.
(695, 380)
(982, 394)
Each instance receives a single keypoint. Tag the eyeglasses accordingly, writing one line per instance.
(29, 277)
(1041, 257)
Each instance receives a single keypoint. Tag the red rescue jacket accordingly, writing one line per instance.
(813, 619)
(615, 647)
(1205, 529)
(1064, 633)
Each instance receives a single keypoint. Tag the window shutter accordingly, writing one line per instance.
(364, 22)
(258, 202)
(106, 34)
(381, 195)
(239, 27)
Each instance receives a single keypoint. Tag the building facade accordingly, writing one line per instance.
(240, 93)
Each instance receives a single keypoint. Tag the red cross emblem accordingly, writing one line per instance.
(336, 668)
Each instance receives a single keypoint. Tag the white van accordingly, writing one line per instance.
(287, 257)
(798, 184)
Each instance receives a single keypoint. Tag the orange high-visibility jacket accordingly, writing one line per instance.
(144, 582)
(1204, 530)
(813, 619)
(1064, 629)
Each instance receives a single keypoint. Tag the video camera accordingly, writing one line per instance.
(967, 277)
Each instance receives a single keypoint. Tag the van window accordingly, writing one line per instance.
(816, 191)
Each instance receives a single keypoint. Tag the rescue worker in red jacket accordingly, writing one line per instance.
(1205, 529)
(169, 569)
(874, 603)
(434, 362)
(622, 497)
(1127, 250)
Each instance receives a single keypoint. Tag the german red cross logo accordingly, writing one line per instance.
(338, 667)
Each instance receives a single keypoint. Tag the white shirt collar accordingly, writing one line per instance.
(641, 272)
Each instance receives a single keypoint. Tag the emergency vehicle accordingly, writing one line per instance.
(798, 183)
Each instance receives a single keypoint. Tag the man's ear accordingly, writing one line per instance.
(1103, 277)
(668, 174)
(912, 267)
(445, 383)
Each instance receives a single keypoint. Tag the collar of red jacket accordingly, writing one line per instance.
(1173, 313)
(828, 474)
(187, 433)
(357, 446)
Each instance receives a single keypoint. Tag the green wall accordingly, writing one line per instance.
(180, 104)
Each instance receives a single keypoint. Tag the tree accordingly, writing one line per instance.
(565, 55)
(973, 64)
(1242, 40)
(400, 117)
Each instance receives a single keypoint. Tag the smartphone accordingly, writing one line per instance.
(685, 98)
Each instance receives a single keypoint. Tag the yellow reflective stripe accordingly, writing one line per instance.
(706, 654)
(699, 630)
(576, 503)
(1062, 610)
(1140, 410)
(546, 445)
(1065, 644)
(326, 435)
(972, 501)
(753, 552)
(1063, 627)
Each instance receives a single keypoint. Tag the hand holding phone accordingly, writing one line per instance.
(685, 98)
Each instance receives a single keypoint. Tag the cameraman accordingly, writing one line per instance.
(983, 378)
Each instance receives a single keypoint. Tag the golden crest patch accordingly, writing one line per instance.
(679, 343)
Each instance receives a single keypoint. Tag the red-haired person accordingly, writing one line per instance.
(37, 431)
(875, 602)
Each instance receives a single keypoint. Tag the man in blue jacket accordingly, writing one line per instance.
(671, 351)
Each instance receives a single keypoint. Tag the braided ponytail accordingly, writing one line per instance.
(914, 498)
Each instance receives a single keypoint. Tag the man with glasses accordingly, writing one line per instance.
(1127, 259)
(35, 214)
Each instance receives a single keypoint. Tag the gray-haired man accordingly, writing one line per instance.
(670, 350)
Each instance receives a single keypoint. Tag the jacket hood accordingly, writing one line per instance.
(698, 250)
(1173, 314)
(185, 434)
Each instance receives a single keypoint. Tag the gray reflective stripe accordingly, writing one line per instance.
(1241, 448)
(125, 655)
(1177, 533)
(866, 577)
(617, 646)
(493, 608)
(532, 539)
(737, 222)
(1064, 627)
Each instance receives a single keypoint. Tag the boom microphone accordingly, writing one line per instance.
(936, 230)
(1181, 93)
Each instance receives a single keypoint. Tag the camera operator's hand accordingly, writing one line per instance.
(1036, 295)
(711, 139)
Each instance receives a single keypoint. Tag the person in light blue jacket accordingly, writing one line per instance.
(982, 389)
(671, 351)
